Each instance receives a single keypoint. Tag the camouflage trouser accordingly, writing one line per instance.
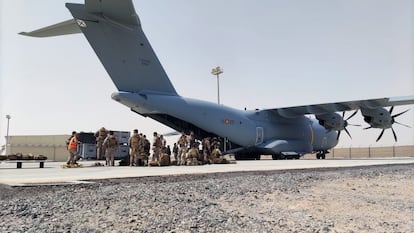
(141, 158)
(110, 156)
(182, 151)
(73, 156)
(156, 154)
(175, 156)
(133, 157)
(99, 149)
(206, 155)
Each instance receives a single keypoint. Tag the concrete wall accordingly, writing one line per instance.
(369, 152)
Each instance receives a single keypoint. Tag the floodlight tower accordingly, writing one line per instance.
(7, 135)
(217, 71)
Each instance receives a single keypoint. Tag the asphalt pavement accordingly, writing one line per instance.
(53, 173)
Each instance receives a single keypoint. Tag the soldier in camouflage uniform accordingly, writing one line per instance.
(163, 144)
(206, 150)
(215, 143)
(182, 149)
(100, 136)
(156, 148)
(111, 144)
(134, 144)
(191, 140)
(175, 151)
(141, 151)
(193, 155)
(147, 148)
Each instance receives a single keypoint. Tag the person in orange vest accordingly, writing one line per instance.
(68, 140)
(73, 149)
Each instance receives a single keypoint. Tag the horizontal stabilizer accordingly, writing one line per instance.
(59, 29)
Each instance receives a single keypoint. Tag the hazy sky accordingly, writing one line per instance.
(274, 54)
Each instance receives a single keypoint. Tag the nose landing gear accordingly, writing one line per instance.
(321, 154)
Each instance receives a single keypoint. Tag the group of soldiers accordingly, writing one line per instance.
(107, 144)
(140, 149)
(185, 151)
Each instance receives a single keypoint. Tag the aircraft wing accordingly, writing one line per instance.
(317, 109)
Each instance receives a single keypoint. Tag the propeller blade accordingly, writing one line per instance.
(402, 124)
(337, 136)
(379, 137)
(395, 135)
(352, 115)
(346, 131)
(369, 127)
(343, 114)
(396, 115)
(392, 108)
(354, 125)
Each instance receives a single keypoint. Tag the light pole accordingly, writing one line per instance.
(7, 135)
(217, 71)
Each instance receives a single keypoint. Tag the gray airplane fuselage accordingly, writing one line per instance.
(249, 129)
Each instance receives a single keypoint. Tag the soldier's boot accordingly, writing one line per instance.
(136, 162)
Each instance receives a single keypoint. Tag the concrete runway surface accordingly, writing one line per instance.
(52, 173)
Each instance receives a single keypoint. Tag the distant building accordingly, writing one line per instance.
(52, 146)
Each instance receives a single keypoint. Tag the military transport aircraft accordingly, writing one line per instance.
(114, 31)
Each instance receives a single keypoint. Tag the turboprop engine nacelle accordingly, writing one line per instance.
(331, 121)
(378, 118)
(381, 118)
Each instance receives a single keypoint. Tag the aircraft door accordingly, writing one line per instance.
(259, 135)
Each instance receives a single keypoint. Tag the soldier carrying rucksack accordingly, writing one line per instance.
(111, 144)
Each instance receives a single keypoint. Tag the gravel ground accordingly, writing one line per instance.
(369, 199)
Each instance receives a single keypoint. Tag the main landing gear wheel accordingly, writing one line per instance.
(320, 155)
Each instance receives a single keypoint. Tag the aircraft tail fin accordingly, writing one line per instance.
(114, 31)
